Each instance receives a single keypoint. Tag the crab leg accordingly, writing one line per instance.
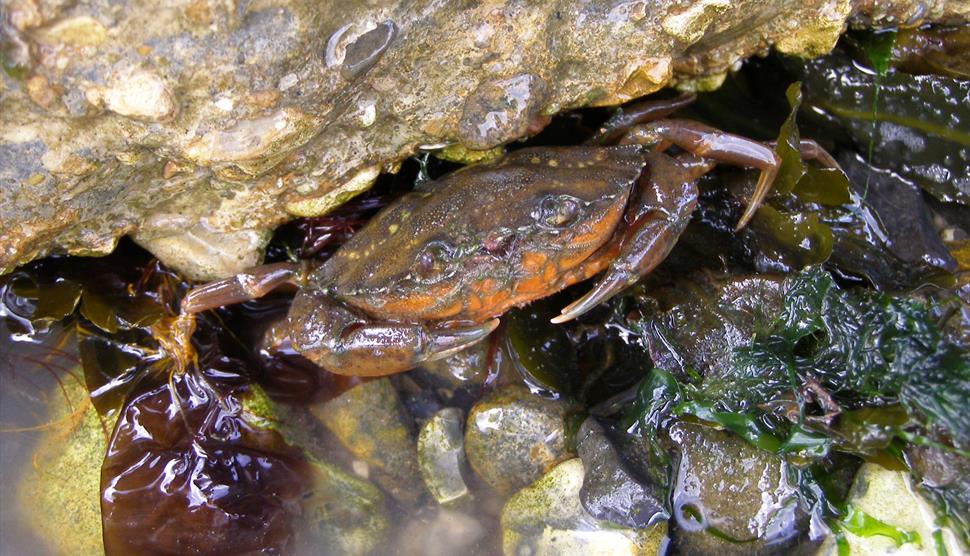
(347, 342)
(638, 113)
(811, 150)
(707, 142)
(256, 282)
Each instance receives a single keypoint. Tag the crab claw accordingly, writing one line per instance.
(347, 341)
(611, 285)
(659, 212)
(446, 343)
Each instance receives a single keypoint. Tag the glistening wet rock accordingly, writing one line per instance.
(548, 518)
(730, 497)
(457, 379)
(708, 318)
(370, 421)
(610, 490)
(512, 437)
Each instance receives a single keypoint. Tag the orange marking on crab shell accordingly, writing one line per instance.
(496, 302)
(601, 229)
(488, 295)
(412, 304)
(486, 286)
(572, 260)
(473, 305)
(448, 310)
(482, 288)
(590, 267)
(535, 271)
(532, 262)
(533, 286)
(550, 272)
(423, 306)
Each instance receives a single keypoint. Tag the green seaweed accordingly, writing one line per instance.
(742, 424)
(12, 69)
(878, 46)
(46, 299)
(793, 239)
(786, 147)
(881, 358)
(825, 186)
(933, 50)
(788, 236)
(861, 524)
(864, 347)
(917, 129)
(649, 415)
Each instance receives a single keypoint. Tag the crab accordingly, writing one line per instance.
(432, 272)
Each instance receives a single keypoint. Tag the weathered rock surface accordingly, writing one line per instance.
(370, 421)
(547, 518)
(512, 437)
(441, 456)
(197, 126)
(730, 497)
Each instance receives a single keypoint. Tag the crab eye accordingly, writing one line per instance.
(433, 262)
(557, 211)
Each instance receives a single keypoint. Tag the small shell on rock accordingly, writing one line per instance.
(315, 206)
(363, 53)
(73, 31)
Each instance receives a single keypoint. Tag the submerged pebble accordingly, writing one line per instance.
(371, 422)
(548, 518)
(441, 456)
(343, 513)
(445, 533)
(60, 494)
(512, 437)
